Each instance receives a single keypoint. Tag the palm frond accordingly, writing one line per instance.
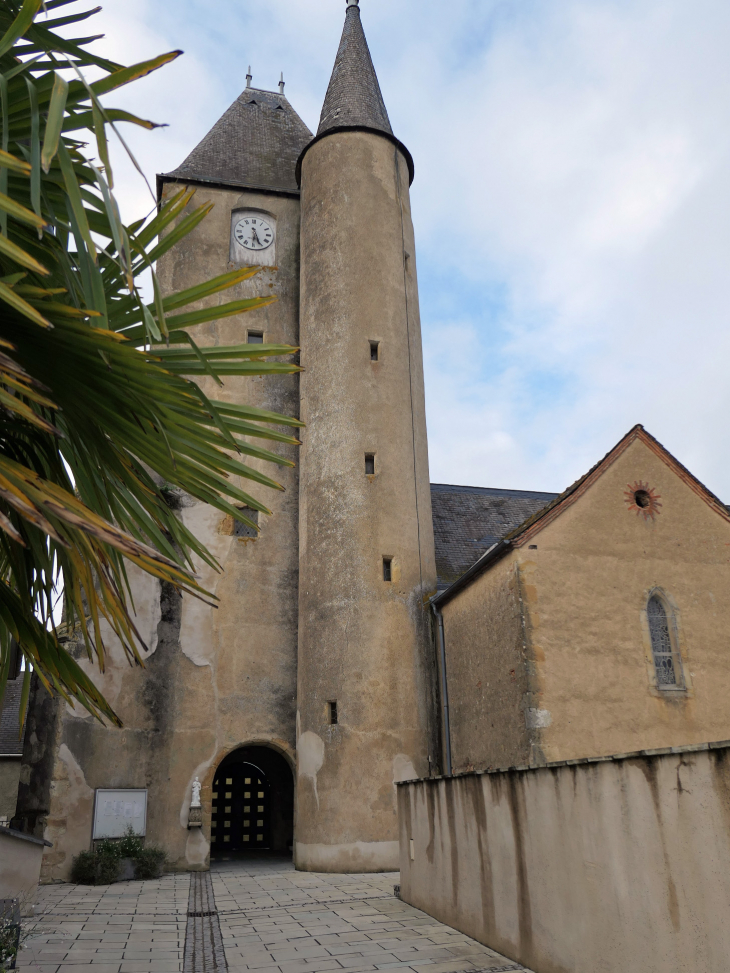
(99, 409)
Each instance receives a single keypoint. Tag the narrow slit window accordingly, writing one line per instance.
(255, 337)
(387, 569)
(667, 660)
(332, 707)
(370, 464)
(374, 351)
(243, 530)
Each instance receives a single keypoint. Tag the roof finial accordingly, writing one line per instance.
(353, 3)
(281, 84)
(249, 77)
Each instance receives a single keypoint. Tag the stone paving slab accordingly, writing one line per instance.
(276, 920)
(130, 927)
(257, 915)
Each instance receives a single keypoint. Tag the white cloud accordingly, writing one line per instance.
(571, 201)
(586, 163)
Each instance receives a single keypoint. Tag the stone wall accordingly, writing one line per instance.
(215, 679)
(552, 646)
(488, 672)
(20, 865)
(9, 776)
(620, 864)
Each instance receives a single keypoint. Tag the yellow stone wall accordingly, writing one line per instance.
(588, 682)
(215, 678)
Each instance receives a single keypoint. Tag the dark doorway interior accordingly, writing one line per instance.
(253, 804)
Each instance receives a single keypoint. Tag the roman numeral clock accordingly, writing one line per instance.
(254, 233)
(253, 239)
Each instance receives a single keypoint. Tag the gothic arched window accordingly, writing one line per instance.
(667, 660)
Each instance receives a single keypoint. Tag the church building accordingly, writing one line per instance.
(310, 690)
(323, 677)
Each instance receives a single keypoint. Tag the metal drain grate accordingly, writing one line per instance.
(204, 951)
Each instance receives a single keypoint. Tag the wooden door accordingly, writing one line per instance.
(241, 812)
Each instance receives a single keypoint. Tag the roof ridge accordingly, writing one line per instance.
(264, 91)
(553, 509)
(442, 487)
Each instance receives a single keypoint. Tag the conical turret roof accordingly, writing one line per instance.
(354, 98)
(254, 145)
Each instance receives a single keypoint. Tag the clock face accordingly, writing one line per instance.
(253, 233)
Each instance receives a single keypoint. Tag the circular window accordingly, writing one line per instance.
(642, 499)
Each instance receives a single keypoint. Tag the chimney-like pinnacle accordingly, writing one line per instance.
(354, 100)
(249, 77)
(281, 84)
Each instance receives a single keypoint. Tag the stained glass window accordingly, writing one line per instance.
(667, 663)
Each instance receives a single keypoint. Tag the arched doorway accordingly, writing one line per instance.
(253, 804)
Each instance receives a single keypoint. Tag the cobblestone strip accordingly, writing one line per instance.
(204, 951)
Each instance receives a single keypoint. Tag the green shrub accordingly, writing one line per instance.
(149, 863)
(9, 938)
(97, 867)
(131, 845)
(108, 859)
(102, 865)
(83, 870)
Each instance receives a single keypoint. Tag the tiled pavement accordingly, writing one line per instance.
(130, 927)
(272, 920)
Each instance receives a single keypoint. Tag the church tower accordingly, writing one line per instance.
(366, 554)
(313, 678)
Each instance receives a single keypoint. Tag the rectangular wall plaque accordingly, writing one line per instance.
(115, 811)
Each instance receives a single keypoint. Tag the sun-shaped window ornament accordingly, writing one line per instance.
(642, 499)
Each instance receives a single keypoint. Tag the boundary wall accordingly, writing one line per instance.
(618, 864)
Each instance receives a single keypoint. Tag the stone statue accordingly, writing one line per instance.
(195, 802)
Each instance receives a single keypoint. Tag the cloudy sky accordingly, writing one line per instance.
(572, 203)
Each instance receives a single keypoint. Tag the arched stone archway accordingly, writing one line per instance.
(253, 803)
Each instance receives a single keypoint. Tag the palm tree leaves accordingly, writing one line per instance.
(20, 25)
(99, 415)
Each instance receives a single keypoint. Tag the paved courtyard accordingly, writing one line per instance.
(244, 915)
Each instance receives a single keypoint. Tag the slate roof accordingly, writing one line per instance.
(256, 144)
(451, 544)
(467, 521)
(354, 99)
(10, 745)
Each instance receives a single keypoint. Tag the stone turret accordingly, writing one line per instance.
(365, 672)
